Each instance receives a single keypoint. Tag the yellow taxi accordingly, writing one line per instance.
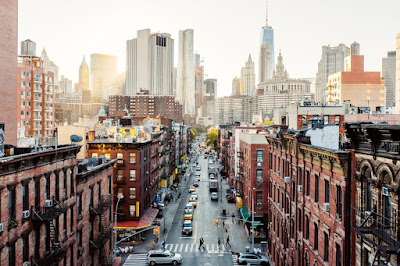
(192, 189)
(188, 215)
(193, 201)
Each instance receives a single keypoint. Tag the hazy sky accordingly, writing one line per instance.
(226, 31)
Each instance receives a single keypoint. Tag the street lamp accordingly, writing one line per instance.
(115, 227)
(252, 219)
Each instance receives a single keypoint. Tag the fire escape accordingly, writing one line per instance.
(105, 233)
(380, 232)
(46, 215)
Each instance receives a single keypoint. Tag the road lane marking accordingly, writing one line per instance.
(186, 248)
(168, 246)
(176, 247)
(180, 250)
(208, 247)
(191, 248)
(213, 247)
(195, 233)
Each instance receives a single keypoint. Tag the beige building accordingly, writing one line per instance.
(103, 71)
(83, 75)
(361, 88)
(65, 132)
(237, 86)
(248, 78)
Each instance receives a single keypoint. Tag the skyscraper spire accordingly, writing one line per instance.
(266, 14)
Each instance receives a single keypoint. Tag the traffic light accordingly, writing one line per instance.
(156, 231)
(158, 224)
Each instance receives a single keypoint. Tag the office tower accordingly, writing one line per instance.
(248, 78)
(8, 68)
(397, 104)
(389, 76)
(332, 61)
(35, 94)
(236, 86)
(185, 93)
(211, 88)
(199, 83)
(267, 53)
(83, 76)
(363, 89)
(231, 109)
(50, 66)
(103, 71)
(65, 85)
(150, 63)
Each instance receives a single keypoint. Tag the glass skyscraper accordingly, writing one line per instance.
(267, 37)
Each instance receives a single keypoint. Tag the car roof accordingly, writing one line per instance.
(157, 251)
(187, 221)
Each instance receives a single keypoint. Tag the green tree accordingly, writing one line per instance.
(212, 139)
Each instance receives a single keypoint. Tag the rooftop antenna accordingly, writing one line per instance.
(266, 15)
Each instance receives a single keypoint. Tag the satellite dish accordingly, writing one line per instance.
(80, 139)
(75, 139)
(93, 160)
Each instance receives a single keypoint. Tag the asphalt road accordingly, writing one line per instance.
(203, 226)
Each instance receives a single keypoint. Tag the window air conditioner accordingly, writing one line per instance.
(48, 203)
(25, 214)
(325, 206)
(300, 188)
(286, 179)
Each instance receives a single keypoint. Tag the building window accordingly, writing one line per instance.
(109, 185)
(338, 255)
(79, 207)
(65, 183)
(132, 210)
(72, 183)
(259, 176)
(316, 188)
(132, 158)
(99, 192)
(79, 238)
(259, 155)
(25, 197)
(25, 248)
(326, 247)
(132, 175)
(316, 236)
(120, 158)
(11, 205)
(326, 191)
(308, 183)
(71, 225)
(368, 196)
(120, 175)
(91, 202)
(339, 202)
(47, 187)
(107, 155)
(132, 192)
(11, 254)
(300, 220)
(307, 228)
(120, 192)
(57, 186)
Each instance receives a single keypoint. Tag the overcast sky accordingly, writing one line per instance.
(226, 31)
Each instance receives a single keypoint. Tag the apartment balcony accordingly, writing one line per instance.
(48, 211)
(102, 206)
(378, 231)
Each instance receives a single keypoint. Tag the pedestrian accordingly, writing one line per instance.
(227, 242)
(154, 243)
(201, 243)
(219, 242)
(223, 224)
(163, 244)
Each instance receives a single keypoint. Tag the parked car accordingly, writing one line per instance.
(198, 168)
(214, 196)
(253, 259)
(163, 257)
(230, 198)
(196, 183)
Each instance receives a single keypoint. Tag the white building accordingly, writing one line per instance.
(332, 61)
(389, 76)
(185, 87)
(50, 66)
(281, 90)
(248, 77)
(150, 63)
(231, 109)
(103, 71)
(66, 85)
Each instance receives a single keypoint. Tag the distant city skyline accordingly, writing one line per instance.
(68, 33)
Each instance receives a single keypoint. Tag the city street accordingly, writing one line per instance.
(203, 226)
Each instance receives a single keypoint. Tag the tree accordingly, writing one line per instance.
(212, 138)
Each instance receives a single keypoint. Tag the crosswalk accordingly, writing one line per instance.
(234, 260)
(194, 248)
(138, 259)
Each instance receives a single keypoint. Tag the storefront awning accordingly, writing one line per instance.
(146, 220)
(245, 213)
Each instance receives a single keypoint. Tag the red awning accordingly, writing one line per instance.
(146, 220)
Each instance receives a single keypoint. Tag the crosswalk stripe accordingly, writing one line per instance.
(186, 248)
(138, 259)
(212, 247)
(176, 247)
(168, 246)
(180, 250)
(191, 247)
(208, 247)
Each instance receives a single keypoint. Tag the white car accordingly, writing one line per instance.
(163, 257)
(214, 196)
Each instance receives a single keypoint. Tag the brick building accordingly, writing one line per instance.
(310, 201)
(376, 194)
(42, 192)
(35, 95)
(143, 105)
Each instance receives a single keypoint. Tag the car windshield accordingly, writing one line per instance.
(187, 225)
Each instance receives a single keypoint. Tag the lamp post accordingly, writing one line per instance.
(252, 219)
(115, 226)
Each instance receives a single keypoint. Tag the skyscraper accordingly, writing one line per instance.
(150, 63)
(8, 68)
(185, 93)
(50, 66)
(389, 76)
(267, 53)
(248, 78)
(84, 75)
(332, 61)
(103, 71)
(397, 74)
(199, 83)
(211, 88)
(236, 86)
